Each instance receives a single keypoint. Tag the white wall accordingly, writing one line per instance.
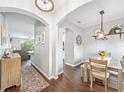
(2, 19)
(69, 46)
(60, 50)
(2, 23)
(41, 52)
(20, 26)
(114, 44)
(78, 50)
(3, 27)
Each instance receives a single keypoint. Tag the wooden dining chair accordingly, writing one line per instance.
(98, 69)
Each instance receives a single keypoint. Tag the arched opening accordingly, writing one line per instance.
(22, 11)
(84, 21)
(63, 25)
(28, 35)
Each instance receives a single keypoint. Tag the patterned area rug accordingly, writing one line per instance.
(32, 81)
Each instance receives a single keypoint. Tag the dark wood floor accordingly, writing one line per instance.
(69, 81)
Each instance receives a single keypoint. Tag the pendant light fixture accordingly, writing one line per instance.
(99, 34)
(44, 5)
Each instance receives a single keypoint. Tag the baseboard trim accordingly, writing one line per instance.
(73, 65)
(45, 75)
(53, 77)
(60, 73)
(41, 71)
(70, 64)
(78, 64)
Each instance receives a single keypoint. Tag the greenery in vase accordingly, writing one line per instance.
(28, 45)
(116, 29)
(102, 53)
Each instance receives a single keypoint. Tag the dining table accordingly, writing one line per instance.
(112, 67)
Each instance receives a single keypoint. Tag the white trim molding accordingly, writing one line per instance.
(60, 73)
(49, 78)
(53, 77)
(72, 65)
(78, 64)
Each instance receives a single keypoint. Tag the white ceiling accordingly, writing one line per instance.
(89, 15)
(58, 4)
(19, 25)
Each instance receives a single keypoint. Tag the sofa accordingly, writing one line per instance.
(23, 53)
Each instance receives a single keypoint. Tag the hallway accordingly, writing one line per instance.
(32, 80)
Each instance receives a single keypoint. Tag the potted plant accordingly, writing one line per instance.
(102, 54)
(116, 29)
(29, 45)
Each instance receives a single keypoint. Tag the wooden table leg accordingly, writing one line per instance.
(120, 80)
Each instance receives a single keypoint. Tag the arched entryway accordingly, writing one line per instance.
(17, 22)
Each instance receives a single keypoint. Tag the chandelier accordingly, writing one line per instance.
(99, 34)
(115, 30)
(44, 5)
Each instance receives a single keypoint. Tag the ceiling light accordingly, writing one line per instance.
(99, 34)
(115, 30)
(44, 5)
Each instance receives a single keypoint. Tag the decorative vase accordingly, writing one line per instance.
(102, 57)
(117, 31)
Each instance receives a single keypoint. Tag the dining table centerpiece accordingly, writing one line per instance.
(102, 54)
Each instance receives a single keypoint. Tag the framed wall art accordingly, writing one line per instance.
(43, 37)
(40, 39)
(79, 40)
